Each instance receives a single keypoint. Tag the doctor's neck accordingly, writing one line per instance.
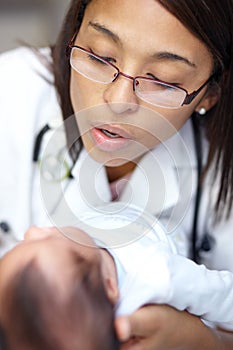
(115, 173)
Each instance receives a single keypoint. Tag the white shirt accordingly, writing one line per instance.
(150, 269)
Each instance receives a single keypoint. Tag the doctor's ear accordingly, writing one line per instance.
(209, 100)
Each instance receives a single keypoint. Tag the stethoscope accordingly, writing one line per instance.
(53, 167)
(207, 241)
(196, 248)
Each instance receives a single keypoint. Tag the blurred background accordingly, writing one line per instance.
(36, 22)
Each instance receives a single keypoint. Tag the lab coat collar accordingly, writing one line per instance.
(92, 179)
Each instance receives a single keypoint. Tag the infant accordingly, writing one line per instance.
(61, 288)
(52, 296)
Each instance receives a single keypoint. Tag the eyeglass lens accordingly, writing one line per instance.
(149, 90)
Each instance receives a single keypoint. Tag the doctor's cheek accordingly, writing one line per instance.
(84, 93)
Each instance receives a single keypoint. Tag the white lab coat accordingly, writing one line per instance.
(27, 103)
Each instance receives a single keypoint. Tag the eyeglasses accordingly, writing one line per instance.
(153, 91)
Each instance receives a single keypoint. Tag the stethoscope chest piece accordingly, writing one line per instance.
(51, 154)
(55, 167)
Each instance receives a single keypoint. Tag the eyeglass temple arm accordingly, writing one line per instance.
(190, 97)
(70, 44)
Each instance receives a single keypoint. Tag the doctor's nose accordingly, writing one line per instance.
(120, 96)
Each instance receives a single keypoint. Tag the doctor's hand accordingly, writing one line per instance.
(161, 327)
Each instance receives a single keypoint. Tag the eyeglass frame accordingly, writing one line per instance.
(187, 100)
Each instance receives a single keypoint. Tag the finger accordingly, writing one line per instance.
(122, 327)
(134, 344)
(143, 321)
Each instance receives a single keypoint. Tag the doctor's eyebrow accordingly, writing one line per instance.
(170, 56)
(102, 29)
(160, 56)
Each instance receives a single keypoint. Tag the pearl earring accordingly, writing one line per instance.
(202, 111)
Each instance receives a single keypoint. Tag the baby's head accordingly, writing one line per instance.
(53, 296)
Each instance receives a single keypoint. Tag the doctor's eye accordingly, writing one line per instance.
(101, 59)
(97, 59)
(163, 85)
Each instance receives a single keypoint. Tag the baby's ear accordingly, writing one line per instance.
(109, 274)
(35, 233)
(111, 289)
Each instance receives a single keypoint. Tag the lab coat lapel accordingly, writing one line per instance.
(165, 179)
(153, 185)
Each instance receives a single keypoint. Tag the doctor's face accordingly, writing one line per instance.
(140, 38)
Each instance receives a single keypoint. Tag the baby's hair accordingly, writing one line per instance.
(3, 345)
(35, 318)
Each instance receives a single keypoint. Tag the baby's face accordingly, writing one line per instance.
(57, 279)
(54, 254)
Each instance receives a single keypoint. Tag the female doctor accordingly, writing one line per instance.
(144, 88)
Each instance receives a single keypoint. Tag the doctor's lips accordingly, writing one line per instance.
(110, 138)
